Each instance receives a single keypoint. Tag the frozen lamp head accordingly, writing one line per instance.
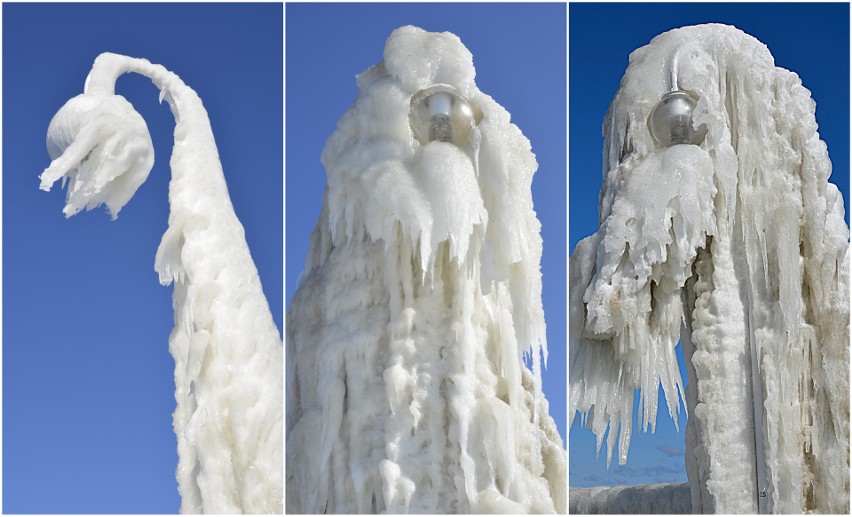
(671, 120)
(440, 113)
(101, 144)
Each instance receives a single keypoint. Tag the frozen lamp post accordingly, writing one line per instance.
(226, 347)
(406, 386)
(718, 230)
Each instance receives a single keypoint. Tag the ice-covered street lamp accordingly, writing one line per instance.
(736, 250)
(441, 113)
(227, 349)
(671, 120)
(407, 391)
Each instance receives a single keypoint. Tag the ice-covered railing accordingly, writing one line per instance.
(227, 349)
(736, 246)
(406, 390)
(661, 498)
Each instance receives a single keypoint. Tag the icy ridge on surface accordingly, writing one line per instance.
(422, 290)
(227, 349)
(660, 498)
(737, 247)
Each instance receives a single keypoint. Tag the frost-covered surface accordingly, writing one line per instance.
(405, 382)
(662, 498)
(226, 346)
(739, 248)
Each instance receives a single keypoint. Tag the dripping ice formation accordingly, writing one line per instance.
(738, 248)
(406, 388)
(226, 347)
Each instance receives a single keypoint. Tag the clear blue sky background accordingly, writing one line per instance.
(88, 385)
(519, 54)
(809, 39)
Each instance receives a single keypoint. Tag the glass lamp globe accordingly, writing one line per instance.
(671, 120)
(440, 113)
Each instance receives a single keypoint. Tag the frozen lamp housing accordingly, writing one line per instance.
(440, 113)
(671, 120)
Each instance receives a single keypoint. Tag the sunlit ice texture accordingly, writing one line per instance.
(735, 244)
(406, 385)
(227, 349)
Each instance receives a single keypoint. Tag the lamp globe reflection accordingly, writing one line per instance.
(440, 113)
(671, 120)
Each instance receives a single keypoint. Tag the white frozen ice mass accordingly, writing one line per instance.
(737, 247)
(227, 349)
(422, 291)
(668, 498)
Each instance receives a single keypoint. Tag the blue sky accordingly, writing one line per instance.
(809, 39)
(88, 386)
(525, 73)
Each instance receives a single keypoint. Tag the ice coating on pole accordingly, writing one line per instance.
(406, 388)
(227, 349)
(738, 248)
